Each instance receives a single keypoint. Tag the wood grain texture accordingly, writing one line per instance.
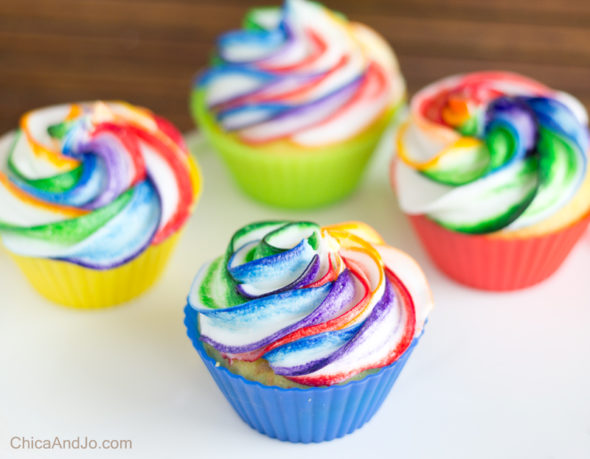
(147, 51)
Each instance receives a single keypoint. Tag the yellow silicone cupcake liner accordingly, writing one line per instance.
(78, 287)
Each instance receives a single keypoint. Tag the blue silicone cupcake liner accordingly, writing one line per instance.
(300, 415)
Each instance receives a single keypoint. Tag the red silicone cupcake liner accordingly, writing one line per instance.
(492, 263)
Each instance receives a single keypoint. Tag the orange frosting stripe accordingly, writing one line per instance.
(31, 200)
(463, 142)
(43, 151)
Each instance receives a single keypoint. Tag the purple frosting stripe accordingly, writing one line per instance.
(117, 169)
(340, 295)
(380, 312)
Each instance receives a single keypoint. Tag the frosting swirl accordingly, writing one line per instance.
(301, 73)
(320, 304)
(93, 184)
(489, 151)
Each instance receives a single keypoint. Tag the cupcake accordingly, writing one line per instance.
(297, 101)
(93, 198)
(306, 328)
(491, 169)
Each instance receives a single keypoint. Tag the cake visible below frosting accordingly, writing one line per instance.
(492, 151)
(301, 73)
(93, 184)
(319, 304)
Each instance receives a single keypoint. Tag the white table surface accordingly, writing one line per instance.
(496, 375)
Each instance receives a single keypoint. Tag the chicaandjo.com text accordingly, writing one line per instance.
(22, 442)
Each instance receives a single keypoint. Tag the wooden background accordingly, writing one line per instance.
(147, 51)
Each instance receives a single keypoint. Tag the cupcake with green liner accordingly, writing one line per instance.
(492, 170)
(297, 101)
(93, 197)
(306, 328)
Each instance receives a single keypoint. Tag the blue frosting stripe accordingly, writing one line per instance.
(125, 235)
(87, 188)
(314, 318)
(291, 262)
(277, 312)
(310, 353)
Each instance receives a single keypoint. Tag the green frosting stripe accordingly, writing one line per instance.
(519, 189)
(56, 184)
(460, 168)
(76, 229)
(559, 169)
(217, 289)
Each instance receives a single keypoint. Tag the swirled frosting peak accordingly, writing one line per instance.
(320, 304)
(301, 73)
(93, 184)
(489, 151)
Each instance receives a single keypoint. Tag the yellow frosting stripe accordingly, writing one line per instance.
(75, 112)
(350, 241)
(359, 229)
(196, 178)
(463, 142)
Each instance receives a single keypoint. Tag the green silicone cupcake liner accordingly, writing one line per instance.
(285, 175)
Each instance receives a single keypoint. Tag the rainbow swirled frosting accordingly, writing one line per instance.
(319, 304)
(491, 151)
(301, 73)
(93, 184)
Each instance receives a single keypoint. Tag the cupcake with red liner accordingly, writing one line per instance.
(491, 169)
(296, 102)
(306, 328)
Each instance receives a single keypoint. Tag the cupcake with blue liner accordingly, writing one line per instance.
(94, 196)
(297, 101)
(306, 328)
(492, 170)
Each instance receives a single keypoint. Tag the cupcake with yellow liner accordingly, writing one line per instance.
(492, 170)
(93, 197)
(297, 101)
(306, 328)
